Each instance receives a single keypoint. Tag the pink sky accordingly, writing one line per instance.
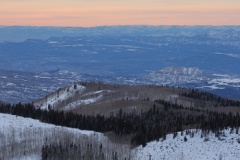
(114, 12)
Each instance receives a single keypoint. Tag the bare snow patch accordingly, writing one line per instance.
(82, 102)
(211, 87)
(10, 84)
(234, 55)
(53, 42)
(87, 99)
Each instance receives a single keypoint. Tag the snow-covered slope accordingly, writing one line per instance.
(71, 97)
(206, 148)
(23, 138)
(59, 96)
(8, 121)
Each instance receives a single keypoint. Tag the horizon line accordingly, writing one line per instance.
(125, 25)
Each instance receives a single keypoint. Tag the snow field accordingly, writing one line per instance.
(197, 147)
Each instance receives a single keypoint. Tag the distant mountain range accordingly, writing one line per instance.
(22, 33)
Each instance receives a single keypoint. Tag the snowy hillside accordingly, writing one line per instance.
(23, 138)
(210, 147)
(31, 134)
(71, 97)
(59, 96)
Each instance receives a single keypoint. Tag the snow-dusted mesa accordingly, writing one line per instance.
(192, 146)
(59, 96)
(182, 71)
(177, 76)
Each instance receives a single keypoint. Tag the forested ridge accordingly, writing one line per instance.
(162, 118)
(205, 96)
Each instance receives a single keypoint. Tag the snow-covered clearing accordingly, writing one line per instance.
(82, 102)
(195, 148)
(87, 99)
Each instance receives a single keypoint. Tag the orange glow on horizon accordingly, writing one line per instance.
(40, 14)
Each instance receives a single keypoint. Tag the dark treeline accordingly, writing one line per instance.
(144, 127)
(205, 96)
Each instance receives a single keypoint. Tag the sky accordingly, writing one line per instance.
(89, 13)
